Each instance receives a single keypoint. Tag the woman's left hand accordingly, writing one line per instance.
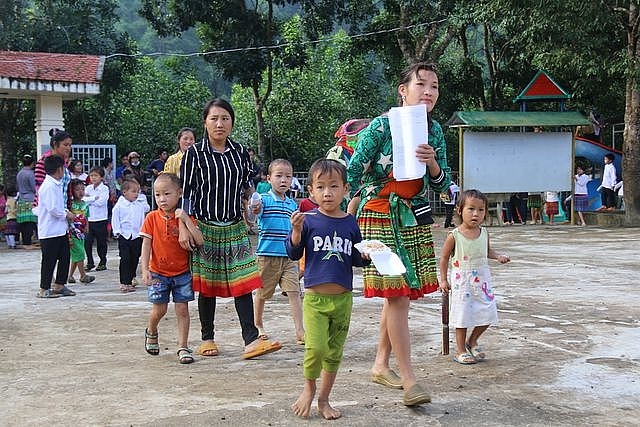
(184, 237)
(426, 154)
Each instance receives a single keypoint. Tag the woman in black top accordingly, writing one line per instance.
(215, 175)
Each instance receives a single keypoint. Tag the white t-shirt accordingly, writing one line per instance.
(581, 184)
(550, 196)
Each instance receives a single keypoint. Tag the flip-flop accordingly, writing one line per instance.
(390, 379)
(262, 334)
(263, 347)
(465, 359)
(208, 349)
(47, 294)
(476, 352)
(416, 395)
(64, 291)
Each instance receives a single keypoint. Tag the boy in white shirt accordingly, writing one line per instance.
(52, 230)
(126, 221)
(609, 180)
(97, 196)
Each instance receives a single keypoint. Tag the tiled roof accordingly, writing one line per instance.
(57, 67)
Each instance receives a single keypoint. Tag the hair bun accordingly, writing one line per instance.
(52, 132)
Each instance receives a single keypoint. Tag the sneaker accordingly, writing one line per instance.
(87, 279)
(101, 267)
(89, 267)
(72, 280)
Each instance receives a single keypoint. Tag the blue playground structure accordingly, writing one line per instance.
(593, 152)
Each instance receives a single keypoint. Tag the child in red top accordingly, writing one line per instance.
(165, 264)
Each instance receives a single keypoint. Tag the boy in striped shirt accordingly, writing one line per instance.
(274, 221)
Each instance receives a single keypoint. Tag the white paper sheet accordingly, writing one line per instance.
(388, 263)
(409, 129)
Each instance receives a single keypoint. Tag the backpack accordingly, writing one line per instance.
(347, 134)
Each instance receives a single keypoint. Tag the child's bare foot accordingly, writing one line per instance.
(327, 411)
(302, 406)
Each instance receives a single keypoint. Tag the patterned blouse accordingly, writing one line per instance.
(40, 175)
(213, 182)
(372, 165)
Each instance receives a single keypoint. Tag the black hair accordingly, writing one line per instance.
(97, 169)
(610, 156)
(73, 163)
(171, 178)
(128, 174)
(218, 102)
(75, 182)
(106, 161)
(183, 131)
(326, 167)
(128, 182)
(277, 162)
(413, 70)
(27, 160)
(11, 190)
(471, 194)
(57, 136)
(52, 164)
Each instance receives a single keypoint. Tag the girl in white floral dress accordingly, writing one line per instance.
(473, 303)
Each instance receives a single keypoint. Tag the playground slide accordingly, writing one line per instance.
(594, 152)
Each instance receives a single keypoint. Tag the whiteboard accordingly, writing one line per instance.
(509, 162)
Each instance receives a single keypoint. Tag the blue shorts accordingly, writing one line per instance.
(179, 286)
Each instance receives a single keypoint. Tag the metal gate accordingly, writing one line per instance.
(92, 155)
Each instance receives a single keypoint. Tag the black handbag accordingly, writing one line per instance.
(423, 214)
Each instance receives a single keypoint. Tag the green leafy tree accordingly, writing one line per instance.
(53, 26)
(629, 18)
(408, 31)
(16, 115)
(589, 47)
(308, 103)
(244, 36)
(148, 109)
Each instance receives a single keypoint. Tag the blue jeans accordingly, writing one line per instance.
(162, 287)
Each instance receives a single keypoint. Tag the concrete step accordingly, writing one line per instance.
(605, 219)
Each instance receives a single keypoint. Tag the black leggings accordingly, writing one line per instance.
(27, 229)
(244, 308)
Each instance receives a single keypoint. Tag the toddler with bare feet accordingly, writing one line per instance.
(326, 236)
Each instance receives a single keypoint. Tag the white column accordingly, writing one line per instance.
(48, 116)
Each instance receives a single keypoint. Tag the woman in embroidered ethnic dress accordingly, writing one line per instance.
(384, 215)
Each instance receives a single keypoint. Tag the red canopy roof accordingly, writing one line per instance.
(60, 67)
